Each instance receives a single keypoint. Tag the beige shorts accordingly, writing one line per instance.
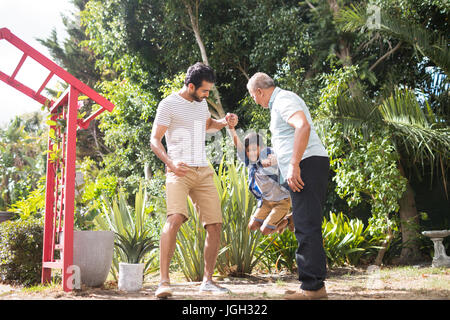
(271, 213)
(198, 184)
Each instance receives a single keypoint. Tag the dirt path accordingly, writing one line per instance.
(405, 283)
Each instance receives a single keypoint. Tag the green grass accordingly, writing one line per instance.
(42, 288)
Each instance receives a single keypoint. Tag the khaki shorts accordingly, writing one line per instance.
(272, 212)
(198, 184)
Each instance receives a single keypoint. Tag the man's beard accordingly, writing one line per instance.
(196, 97)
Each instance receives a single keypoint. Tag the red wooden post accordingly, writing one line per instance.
(69, 194)
(48, 225)
(60, 184)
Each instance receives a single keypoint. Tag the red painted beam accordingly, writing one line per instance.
(22, 60)
(62, 100)
(45, 83)
(24, 89)
(57, 70)
(85, 123)
(48, 225)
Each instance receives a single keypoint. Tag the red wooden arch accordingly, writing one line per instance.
(60, 183)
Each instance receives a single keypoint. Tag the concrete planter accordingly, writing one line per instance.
(93, 254)
(131, 276)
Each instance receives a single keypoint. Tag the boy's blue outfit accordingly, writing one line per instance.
(263, 182)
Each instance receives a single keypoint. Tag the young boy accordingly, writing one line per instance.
(274, 201)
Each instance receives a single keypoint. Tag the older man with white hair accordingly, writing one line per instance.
(304, 167)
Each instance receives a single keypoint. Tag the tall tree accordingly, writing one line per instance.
(80, 61)
(419, 136)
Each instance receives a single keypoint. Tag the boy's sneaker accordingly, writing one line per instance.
(164, 291)
(211, 287)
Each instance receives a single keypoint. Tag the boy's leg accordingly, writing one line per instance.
(275, 218)
(257, 219)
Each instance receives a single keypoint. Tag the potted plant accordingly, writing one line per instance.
(92, 249)
(133, 248)
(133, 240)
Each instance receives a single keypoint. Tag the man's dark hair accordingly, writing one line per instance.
(253, 138)
(198, 73)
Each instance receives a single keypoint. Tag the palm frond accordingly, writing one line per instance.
(357, 113)
(411, 128)
(431, 45)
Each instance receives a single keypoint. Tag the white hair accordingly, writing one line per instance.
(260, 80)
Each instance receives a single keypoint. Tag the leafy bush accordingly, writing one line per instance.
(240, 254)
(280, 252)
(346, 240)
(33, 205)
(21, 251)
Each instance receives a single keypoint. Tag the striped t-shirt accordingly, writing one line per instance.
(186, 132)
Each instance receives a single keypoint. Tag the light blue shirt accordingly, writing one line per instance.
(283, 104)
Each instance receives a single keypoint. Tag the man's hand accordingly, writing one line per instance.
(294, 179)
(232, 120)
(179, 168)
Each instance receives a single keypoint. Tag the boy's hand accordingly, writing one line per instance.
(270, 161)
(232, 120)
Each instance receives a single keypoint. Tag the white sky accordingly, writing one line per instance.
(28, 20)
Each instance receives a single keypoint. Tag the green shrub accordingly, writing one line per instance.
(241, 247)
(346, 240)
(21, 251)
(281, 251)
(33, 205)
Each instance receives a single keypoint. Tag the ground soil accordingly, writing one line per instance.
(387, 283)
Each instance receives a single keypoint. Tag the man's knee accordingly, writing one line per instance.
(213, 228)
(174, 222)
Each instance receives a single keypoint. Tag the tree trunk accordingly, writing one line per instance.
(384, 247)
(409, 220)
(217, 104)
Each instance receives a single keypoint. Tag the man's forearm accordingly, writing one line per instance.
(158, 148)
(301, 137)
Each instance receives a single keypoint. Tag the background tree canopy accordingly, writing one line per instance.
(379, 95)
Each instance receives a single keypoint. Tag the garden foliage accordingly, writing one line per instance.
(21, 251)
(134, 239)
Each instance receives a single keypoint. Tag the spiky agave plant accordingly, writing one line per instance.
(241, 249)
(133, 241)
